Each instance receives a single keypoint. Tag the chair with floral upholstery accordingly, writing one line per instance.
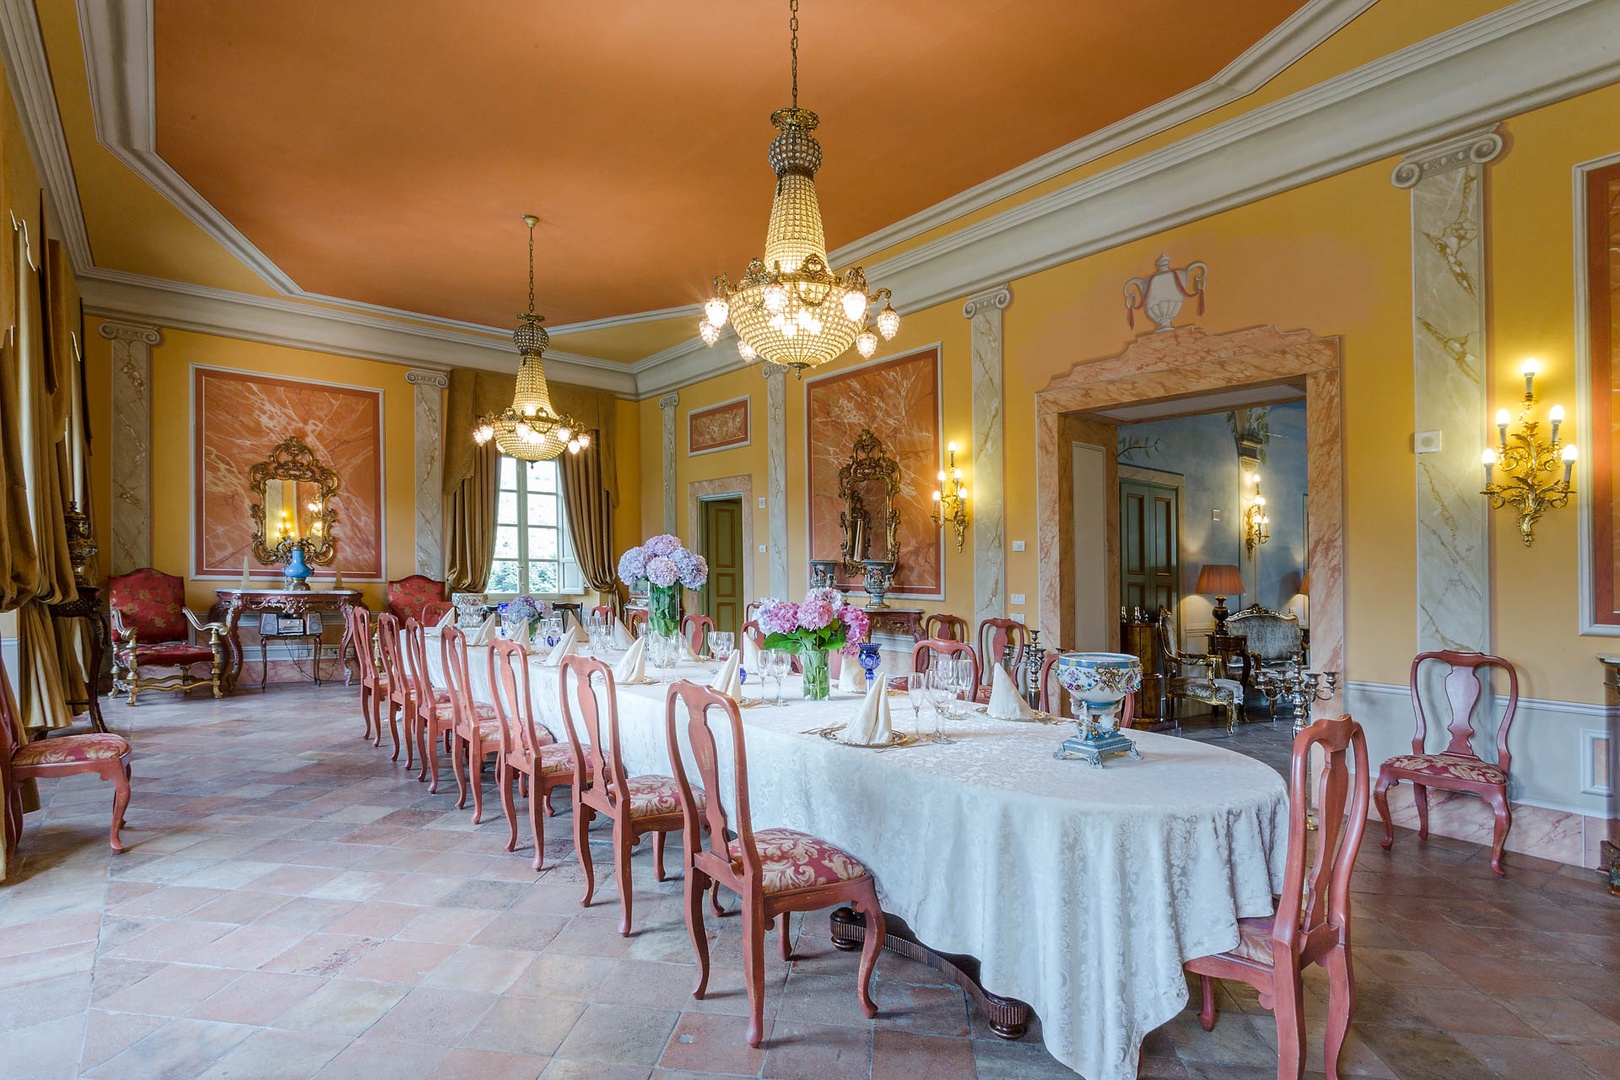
(637, 805)
(526, 749)
(101, 752)
(1457, 767)
(774, 871)
(1312, 922)
(1210, 687)
(150, 630)
(409, 597)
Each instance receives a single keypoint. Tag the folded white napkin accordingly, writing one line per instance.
(522, 634)
(449, 619)
(1005, 701)
(485, 632)
(750, 655)
(728, 682)
(622, 638)
(872, 727)
(850, 676)
(632, 666)
(566, 647)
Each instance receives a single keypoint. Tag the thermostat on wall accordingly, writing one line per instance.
(1425, 442)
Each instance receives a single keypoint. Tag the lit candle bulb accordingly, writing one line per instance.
(1530, 369)
(1556, 415)
(942, 476)
(1569, 463)
(1488, 459)
(951, 446)
(1503, 418)
(936, 496)
(956, 474)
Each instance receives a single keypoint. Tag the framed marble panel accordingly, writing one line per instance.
(238, 418)
(1597, 197)
(719, 427)
(899, 401)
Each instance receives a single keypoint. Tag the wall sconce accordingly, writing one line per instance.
(950, 502)
(1523, 463)
(1256, 525)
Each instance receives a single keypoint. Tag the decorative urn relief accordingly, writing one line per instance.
(1161, 296)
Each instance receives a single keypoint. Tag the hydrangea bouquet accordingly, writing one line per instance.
(665, 565)
(821, 622)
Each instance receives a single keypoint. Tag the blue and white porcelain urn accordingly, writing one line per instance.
(1098, 682)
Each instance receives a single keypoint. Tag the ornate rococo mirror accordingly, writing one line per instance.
(294, 507)
(867, 486)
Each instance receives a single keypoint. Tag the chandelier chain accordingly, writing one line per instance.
(531, 267)
(793, 25)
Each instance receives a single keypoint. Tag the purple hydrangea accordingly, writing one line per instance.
(662, 544)
(815, 613)
(779, 616)
(693, 568)
(826, 596)
(633, 566)
(523, 607)
(662, 571)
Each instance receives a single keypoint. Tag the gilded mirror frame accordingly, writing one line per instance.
(867, 462)
(292, 459)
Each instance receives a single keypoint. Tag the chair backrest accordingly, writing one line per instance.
(603, 611)
(1464, 688)
(514, 708)
(994, 637)
(635, 617)
(923, 653)
(457, 676)
(696, 629)
(149, 602)
(943, 627)
(753, 633)
(408, 596)
(359, 620)
(1269, 635)
(712, 852)
(1173, 656)
(603, 768)
(1050, 692)
(393, 654)
(435, 610)
(1313, 913)
(413, 643)
(751, 610)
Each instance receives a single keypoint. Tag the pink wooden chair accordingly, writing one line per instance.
(603, 611)
(1312, 921)
(434, 611)
(396, 680)
(527, 749)
(101, 752)
(634, 619)
(943, 627)
(373, 685)
(923, 653)
(475, 732)
(408, 597)
(752, 631)
(431, 719)
(773, 871)
(1457, 767)
(637, 805)
(995, 635)
(695, 628)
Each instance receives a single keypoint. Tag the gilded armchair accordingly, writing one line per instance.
(1274, 642)
(150, 630)
(1211, 687)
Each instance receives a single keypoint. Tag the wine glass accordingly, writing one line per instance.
(941, 691)
(777, 665)
(916, 693)
(720, 646)
(962, 677)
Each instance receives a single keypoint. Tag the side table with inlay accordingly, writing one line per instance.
(293, 603)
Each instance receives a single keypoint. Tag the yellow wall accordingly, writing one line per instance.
(1334, 258)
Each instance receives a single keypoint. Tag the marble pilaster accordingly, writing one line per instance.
(1450, 396)
(986, 505)
(667, 404)
(429, 443)
(776, 477)
(131, 525)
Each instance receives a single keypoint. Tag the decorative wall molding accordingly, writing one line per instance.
(429, 443)
(776, 507)
(666, 405)
(983, 310)
(1586, 504)
(1475, 148)
(132, 345)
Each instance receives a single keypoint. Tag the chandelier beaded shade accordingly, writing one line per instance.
(790, 308)
(529, 429)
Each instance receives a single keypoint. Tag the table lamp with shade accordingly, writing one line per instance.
(1220, 580)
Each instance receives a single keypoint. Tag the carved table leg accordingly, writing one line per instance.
(234, 669)
(1008, 1017)
(343, 646)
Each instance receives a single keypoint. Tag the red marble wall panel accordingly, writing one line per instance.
(899, 401)
(240, 417)
(1603, 321)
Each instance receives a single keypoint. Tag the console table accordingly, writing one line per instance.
(87, 607)
(290, 602)
(897, 620)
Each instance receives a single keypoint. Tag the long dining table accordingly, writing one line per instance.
(1080, 890)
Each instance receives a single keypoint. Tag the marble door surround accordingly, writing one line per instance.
(429, 443)
(1180, 363)
(741, 486)
(132, 345)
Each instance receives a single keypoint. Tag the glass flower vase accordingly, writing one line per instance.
(817, 674)
(664, 609)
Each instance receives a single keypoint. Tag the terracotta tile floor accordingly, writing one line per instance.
(293, 905)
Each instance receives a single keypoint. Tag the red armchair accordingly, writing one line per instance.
(409, 597)
(149, 622)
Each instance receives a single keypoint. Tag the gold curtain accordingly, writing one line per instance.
(471, 550)
(590, 518)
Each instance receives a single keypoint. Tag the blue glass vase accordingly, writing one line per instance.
(296, 575)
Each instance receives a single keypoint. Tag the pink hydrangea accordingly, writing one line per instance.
(663, 544)
(779, 617)
(826, 596)
(662, 571)
(815, 614)
(856, 623)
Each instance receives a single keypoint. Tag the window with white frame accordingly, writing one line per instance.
(533, 553)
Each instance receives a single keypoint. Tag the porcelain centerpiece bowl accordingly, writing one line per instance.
(1099, 680)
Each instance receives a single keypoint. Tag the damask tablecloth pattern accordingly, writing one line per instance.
(1080, 890)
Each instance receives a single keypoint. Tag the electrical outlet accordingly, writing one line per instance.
(1425, 442)
(1018, 545)
(1214, 515)
(762, 506)
(1018, 617)
(1016, 598)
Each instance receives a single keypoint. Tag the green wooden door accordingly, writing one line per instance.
(1149, 546)
(722, 545)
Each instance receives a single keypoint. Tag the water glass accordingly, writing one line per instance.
(721, 643)
(941, 691)
(777, 665)
(916, 693)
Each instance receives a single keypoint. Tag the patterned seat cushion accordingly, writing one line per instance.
(790, 860)
(1219, 691)
(556, 758)
(169, 654)
(651, 795)
(1254, 940)
(67, 749)
(1448, 766)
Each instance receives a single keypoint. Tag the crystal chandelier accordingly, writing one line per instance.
(790, 308)
(529, 429)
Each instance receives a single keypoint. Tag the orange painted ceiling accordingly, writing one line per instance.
(382, 151)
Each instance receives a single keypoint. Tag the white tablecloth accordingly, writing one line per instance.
(1080, 890)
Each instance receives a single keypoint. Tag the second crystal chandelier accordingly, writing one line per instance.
(790, 308)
